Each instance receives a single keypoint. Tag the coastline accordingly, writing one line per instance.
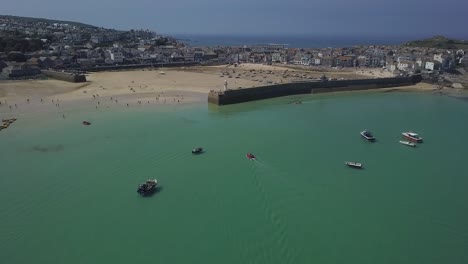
(147, 87)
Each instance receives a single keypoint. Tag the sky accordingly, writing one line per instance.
(418, 18)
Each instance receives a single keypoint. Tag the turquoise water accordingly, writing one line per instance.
(68, 192)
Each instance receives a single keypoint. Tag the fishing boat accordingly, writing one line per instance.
(250, 156)
(86, 123)
(407, 143)
(413, 137)
(353, 164)
(367, 135)
(197, 150)
(147, 187)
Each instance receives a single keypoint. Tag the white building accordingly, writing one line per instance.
(405, 65)
(419, 62)
(438, 57)
(116, 57)
(429, 65)
(276, 57)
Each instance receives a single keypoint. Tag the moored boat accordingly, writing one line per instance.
(197, 150)
(86, 123)
(250, 156)
(367, 135)
(148, 187)
(413, 137)
(407, 143)
(353, 164)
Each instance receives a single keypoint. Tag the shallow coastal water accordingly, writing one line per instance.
(68, 192)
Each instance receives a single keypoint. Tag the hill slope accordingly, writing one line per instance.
(439, 42)
(50, 21)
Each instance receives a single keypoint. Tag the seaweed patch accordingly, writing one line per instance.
(48, 148)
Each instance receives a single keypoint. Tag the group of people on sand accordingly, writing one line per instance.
(159, 98)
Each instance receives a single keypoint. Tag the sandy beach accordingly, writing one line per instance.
(159, 86)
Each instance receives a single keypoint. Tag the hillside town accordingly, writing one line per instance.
(28, 46)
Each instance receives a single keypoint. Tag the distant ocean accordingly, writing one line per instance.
(289, 41)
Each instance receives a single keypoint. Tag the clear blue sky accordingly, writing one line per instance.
(267, 17)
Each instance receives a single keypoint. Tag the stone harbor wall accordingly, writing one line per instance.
(271, 91)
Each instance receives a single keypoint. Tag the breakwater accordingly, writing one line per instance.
(322, 86)
(65, 76)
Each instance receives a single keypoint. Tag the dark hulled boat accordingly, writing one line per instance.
(197, 150)
(148, 187)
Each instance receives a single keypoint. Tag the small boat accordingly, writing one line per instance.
(412, 137)
(86, 123)
(197, 150)
(250, 156)
(353, 164)
(367, 135)
(407, 143)
(148, 187)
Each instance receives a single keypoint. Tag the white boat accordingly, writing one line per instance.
(407, 143)
(353, 164)
(412, 137)
(367, 135)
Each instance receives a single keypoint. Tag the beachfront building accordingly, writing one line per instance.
(439, 58)
(276, 57)
(363, 61)
(117, 57)
(316, 60)
(189, 57)
(465, 61)
(17, 70)
(328, 61)
(345, 61)
(429, 65)
(404, 65)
